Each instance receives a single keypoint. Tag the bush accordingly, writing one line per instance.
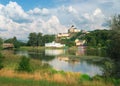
(85, 77)
(1, 61)
(98, 77)
(24, 64)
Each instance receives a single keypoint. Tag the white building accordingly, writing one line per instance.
(60, 35)
(79, 42)
(53, 44)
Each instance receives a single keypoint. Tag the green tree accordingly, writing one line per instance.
(24, 64)
(1, 61)
(114, 45)
(16, 42)
(1, 42)
(48, 38)
(98, 38)
(68, 42)
(39, 39)
(32, 39)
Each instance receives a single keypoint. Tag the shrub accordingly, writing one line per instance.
(85, 77)
(1, 61)
(97, 77)
(24, 64)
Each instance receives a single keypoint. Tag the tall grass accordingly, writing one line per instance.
(5, 81)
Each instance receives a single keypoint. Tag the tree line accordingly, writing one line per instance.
(34, 39)
(38, 39)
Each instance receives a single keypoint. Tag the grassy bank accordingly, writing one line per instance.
(6, 81)
(29, 48)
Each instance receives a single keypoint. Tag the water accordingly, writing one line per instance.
(60, 60)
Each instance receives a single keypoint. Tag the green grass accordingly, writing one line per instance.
(30, 48)
(5, 81)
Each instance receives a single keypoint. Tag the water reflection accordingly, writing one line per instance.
(66, 63)
(75, 66)
(54, 52)
(80, 51)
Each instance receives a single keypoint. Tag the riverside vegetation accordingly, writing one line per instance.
(36, 73)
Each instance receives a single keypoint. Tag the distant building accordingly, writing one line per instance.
(68, 35)
(79, 42)
(73, 30)
(7, 45)
(53, 44)
(63, 35)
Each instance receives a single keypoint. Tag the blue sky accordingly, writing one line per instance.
(54, 16)
(30, 4)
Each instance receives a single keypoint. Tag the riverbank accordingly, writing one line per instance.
(42, 74)
(29, 48)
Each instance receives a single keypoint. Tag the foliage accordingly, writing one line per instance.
(1, 61)
(76, 36)
(85, 77)
(115, 40)
(32, 39)
(24, 64)
(48, 38)
(1, 42)
(37, 39)
(14, 40)
(113, 48)
(68, 42)
(98, 38)
(108, 68)
(115, 23)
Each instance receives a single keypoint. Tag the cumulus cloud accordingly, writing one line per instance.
(15, 21)
(14, 11)
(37, 11)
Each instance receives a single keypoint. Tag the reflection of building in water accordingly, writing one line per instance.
(54, 52)
(75, 61)
(63, 58)
(80, 51)
(67, 59)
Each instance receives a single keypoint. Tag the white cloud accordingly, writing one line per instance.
(38, 11)
(97, 12)
(71, 9)
(14, 21)
(14, 12)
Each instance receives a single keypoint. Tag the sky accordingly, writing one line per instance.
(21, 17)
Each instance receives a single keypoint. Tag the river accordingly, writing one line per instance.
(60, 59)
